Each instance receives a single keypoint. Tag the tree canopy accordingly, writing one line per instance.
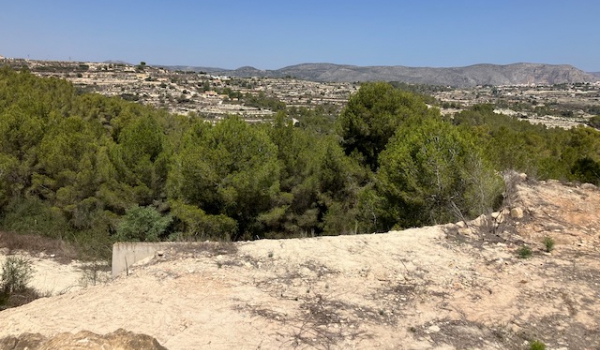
(372, 116)
(97, 169)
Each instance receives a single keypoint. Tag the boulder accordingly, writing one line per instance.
(119, 339)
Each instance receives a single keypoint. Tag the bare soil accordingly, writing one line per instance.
(443, 287)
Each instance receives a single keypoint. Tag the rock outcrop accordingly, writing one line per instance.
(119, 339)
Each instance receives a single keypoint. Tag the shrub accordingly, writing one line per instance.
(594, 122)
(549, 243)
(94, 273)
(537, 345)
(16, 274)
(524, 252)
(33, 216)
(587, 170)
(142, 224)
(196, 224)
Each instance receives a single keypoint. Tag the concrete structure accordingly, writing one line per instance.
(128, 254)
(125, 254)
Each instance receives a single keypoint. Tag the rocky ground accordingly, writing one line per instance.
(457, 286)
(119, 339)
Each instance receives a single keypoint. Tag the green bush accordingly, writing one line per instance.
(586, 170)
(594, 122)
(537, 345)
(143, 224)
(16, 274)
(549, 243)
(196, 224)
(524, 252)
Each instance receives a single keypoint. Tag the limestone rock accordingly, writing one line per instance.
(481, 220)
(498, 217)
(588, 186)
(119, 339)
(516, 213)
(466, 231)
(433, 329)
(30, 341)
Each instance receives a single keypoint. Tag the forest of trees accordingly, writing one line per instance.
(93, 169)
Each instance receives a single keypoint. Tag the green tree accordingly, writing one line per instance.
(231, 169)
(431, 172)
(292, 210)
(319, 184)
(372, 116)
(13, 178)
(139, 159)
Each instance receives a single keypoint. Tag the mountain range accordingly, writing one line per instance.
(478, 74)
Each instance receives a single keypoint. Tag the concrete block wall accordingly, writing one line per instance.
(125, 254)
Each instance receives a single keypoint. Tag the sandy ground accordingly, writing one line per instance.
(443, 287)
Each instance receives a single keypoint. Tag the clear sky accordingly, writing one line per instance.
(271, 34)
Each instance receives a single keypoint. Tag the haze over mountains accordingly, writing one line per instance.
(479, 74)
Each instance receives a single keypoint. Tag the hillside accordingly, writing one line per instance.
(441, 287)
(479, 74)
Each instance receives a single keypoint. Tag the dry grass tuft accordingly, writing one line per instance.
(60, 250)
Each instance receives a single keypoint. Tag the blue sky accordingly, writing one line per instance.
(272, 34)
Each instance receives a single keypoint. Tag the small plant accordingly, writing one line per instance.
(14, 289)
(524, 252)
(16, 274)
(549, 243)
(537, 345)
(270, 254)
(94, 273)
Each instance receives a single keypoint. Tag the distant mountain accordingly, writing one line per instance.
(192, 69)
(596, 74)
(479, 74)
(117, 62)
